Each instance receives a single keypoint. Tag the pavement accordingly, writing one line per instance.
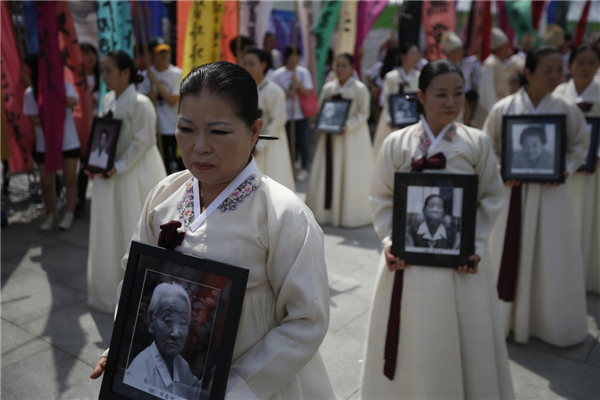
(51, 339)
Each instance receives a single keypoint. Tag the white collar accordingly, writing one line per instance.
(263, 83)
(162, 366)
(434, 139)
(199, 217)
(405, 77)
(439, 234)
(339, 88)
(579, 98)
(530, 104)
(123, 95)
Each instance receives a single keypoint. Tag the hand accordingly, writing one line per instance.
(512, 183)
(465, 268)
(291, 93)
(152, 77)
(99, 368)
(110, 173)
(295, 81)
(555, 184)
(393, 262)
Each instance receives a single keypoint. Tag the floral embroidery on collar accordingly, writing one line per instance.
(426, 142)
(240, 193)
(186, 205)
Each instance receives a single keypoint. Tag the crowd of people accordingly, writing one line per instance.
(536, 245)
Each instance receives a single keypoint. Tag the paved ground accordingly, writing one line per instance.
(51, 339)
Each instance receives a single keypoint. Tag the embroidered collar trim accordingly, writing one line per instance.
(435, 140)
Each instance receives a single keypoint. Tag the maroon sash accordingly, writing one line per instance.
(584, 106)
(509, 266)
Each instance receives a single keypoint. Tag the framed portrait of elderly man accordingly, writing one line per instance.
(533, 148)
(175, 328)
(102, 145)
(403, 112)
(333, 115)
(589, 164)
(434, 218)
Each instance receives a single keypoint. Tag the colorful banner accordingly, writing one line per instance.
(20, 131)
(183, 12)
(475, 44)
(324, 28)
(203, 35)
(486, 31)
(368, 12)
(309, 39)
(582, 22)
(281, 23)
(74, 72)
(31, 25)
(115, 32)
(537, 10)
(255, 20)
(346, 39)
(438, 17)
(229, 30)
(52, 98)
(519, 15)
(410, 22)
(503, 22)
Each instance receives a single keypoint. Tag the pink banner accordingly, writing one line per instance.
(437, 17)
(19, 129)
(477, 29)
(309, 40)
(368, 12)
(503, 22)
(52, 99)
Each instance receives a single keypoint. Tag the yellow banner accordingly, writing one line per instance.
(202, 35)
(347, 28)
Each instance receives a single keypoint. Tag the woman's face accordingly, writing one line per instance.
(254, 66)
(215, 143)
(532, 147)
(114, 78)
(585, 65)
(170, 325)
(411, 59)
(90, 59)
(434, 211)
(547, 76)
(343, 68)
(444, 98)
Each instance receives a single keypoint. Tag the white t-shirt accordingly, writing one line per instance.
(276, 58)
(70, 138)
(283, 77)
(170, 78)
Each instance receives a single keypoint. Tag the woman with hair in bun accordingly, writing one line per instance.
(584, 91)
(117, 199)
(535, 243)
(231, 212)
(435, 333)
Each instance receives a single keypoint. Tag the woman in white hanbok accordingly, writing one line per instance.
(342, 163)
(272, 156)
(584, 90)
(117, 200)
(435, 333)
(403, 79)
(535, 248)
(232, 213)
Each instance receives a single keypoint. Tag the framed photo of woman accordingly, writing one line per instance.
(403, 112)
(533, 148)
(176, 327)
(100, 156)
(333, 115)
(434, 221)
(589, 164)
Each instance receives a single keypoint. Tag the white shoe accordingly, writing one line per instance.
(47, 225)
(66, 222)
(302, 175)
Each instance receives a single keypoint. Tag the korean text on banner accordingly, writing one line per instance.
(325, 25)
(255, 20)
(309, 39)
(183, 12)
(368, 12)
(438, 17)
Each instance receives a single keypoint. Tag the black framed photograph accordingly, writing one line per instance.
(533, 148)
(333, 115)
(403, 111)
(175, 328)
(434, 218)
(100, 156)
(589, 164)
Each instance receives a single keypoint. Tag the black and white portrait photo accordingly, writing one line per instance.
(533, 149)
(403, 112)
(433, 220)
(332, 117)
(99, 154)
(102, 145)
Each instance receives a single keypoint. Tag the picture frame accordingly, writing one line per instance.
(156, 283)
(332, 116)
(533, 148)
(403, 112)
(102, 144)
(444, 203)
(589, 164)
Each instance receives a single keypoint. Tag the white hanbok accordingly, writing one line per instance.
(451, 341)
(264, 227)
(586, 193)
(550, 292)
(352, 162)
(391, 86)
(273, 156)
(117, 201)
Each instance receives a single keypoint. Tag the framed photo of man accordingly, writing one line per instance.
(589, 164)
(434, 218)
(332, 116)
(100, 156)
(533, 148)
(403, 112)
(175, 328)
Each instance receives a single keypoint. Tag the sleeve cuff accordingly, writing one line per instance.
(571, 168)
(237, 389)
(120, 166)
(387, 242)
(105, 354)
(479, 248)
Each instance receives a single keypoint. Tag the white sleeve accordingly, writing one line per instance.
(144, 86)
(175, 81)
(30, 106)
(363, 109)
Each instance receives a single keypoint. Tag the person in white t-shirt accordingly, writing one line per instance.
(294, 78)
(270, 46)
(70, 147)
(162, 86)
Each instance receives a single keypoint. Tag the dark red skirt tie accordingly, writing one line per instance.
(509, 267)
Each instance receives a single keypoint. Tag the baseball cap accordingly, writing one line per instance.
(157, 44)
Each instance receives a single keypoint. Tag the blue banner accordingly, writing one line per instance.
(31, 25)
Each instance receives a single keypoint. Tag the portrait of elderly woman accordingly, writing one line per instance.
(333, 115)
(160, 367)
(531, 153)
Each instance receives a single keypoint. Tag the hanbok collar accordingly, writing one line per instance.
(527, 101)
(340, 88)
(404, 77)
(263, 83)
(162, 367)
(120, 106)
(235, 192)
(123, 95)
(440, 233)
(432, 141)
(579, 98)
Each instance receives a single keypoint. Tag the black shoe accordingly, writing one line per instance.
(80, 211)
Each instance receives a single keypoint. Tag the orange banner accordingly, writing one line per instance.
(183, 11)
(437, 17)
(229, 29)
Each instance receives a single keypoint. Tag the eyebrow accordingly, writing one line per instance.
(217, 123)
(186, 120)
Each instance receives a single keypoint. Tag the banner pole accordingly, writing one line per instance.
(292, 120)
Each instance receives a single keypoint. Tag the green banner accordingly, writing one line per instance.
(323, 29)
(519, 15)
